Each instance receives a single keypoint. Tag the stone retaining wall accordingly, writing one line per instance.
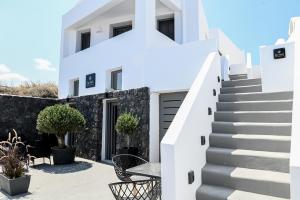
(89, 142)
(21, 113)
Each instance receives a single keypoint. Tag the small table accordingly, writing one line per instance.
(151, 170)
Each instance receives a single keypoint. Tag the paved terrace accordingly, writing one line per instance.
(83, 180)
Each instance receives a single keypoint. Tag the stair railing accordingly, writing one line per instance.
(183, 149)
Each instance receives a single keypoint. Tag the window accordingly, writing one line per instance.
(120, 28)
(116, 80)
(76, 88)
(166, 27)
(85, 40)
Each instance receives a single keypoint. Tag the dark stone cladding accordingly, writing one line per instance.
(20, 113)
(89, 142)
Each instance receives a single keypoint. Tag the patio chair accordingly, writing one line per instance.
(137, 190)
(41, 149)
(123, 162)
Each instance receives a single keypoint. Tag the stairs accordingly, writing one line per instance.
(248, 157)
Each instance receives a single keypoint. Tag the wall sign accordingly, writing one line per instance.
(90, 80)
(279, 53)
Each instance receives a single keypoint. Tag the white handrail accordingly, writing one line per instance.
(181, 149)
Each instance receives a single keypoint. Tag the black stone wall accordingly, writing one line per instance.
(20, 113)
(89, 141)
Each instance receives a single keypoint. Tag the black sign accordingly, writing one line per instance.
(90, 80)
(279, 53)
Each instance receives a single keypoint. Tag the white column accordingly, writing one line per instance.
(145, 19)
(225, 67)
(178, 27)
(154, 128)
(195, 26)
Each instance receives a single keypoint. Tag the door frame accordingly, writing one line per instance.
(104, 128)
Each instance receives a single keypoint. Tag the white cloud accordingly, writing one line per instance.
(43, 64)
(7, 76)
(4, 69)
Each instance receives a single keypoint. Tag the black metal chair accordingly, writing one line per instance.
(123, 162)
(41, 149)
(137, 190)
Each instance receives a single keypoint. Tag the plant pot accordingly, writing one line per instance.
(131, 150)
(63, 156)
(14, 186)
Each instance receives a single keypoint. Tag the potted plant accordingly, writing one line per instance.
(60, 120)
(13, 179)
(127, 125)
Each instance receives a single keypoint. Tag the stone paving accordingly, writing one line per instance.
(84, 180)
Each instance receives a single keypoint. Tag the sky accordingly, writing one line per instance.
(30, 31)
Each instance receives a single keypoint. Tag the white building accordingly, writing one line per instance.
(166, 46)
(128, 44)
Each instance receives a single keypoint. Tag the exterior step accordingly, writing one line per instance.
(262, 160)
(250, 180)
(245, 82)
(209, 192)
(255, 105)
(272, 143)
(241, 89)
(252, 128)
(254, 116)
(258, 96)
(238, 77)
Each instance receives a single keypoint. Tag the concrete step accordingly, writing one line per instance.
(272, 143)
(210, 192)
(241, 89)
(254, 116)
(238, 77)
(252, 128)
(255, 105)
(245, 82)
(256, 96)
(262, 160)
(270, 183)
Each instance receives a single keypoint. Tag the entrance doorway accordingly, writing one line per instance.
(112, 114)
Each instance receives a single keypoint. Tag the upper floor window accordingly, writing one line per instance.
(85, 40)
(116, 80)
(120, 28)
(167, 27)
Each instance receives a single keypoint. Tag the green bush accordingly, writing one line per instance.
(60, 120)
(127, 124)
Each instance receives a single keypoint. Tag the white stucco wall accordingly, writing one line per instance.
(150, 66)
(145, 56)
(181, 148)
(277, 74)
(228, 48)
(295, 147)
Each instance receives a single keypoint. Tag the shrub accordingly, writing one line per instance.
(12, 159)
(60, 120)
(127, 124)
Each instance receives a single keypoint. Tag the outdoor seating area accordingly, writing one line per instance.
(83, 179)
(141, 180)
